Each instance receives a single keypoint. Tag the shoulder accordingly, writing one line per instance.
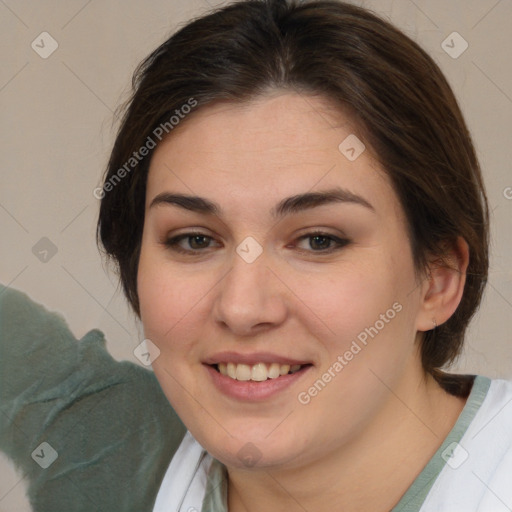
(495, 412)
(106, 423)
(499, 390)
(477, 476)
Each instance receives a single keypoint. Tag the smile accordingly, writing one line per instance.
(257, 372)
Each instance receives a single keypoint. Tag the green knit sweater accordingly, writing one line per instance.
(88, 432)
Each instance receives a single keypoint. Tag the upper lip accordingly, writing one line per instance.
(252, 359)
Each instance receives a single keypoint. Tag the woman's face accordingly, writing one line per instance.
(296, 254)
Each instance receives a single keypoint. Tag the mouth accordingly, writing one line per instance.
(258, 372)
(255, 377)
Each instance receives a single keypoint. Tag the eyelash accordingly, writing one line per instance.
(172, 243)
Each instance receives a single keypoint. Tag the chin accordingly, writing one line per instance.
(252, 447)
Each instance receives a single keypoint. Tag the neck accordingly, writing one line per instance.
(372, 472)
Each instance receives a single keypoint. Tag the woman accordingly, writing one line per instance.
(298, 217)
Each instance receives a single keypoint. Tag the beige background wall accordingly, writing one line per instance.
(57, 129)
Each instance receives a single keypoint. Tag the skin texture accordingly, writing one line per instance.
(380, 414)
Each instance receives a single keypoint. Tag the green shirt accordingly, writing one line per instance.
(108, 421)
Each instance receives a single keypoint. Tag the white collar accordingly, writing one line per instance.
(184, 483)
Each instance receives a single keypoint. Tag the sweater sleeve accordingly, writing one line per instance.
(88, 432)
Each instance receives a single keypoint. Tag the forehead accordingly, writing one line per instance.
(256, 152)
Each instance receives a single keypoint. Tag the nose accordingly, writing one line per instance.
(250, 298)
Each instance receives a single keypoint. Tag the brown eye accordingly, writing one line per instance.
(189, 243)
(323, 242)
(198, 241)
(319, 241)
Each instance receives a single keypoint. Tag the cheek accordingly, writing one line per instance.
(368, 312)
(370, 342)
(168, 302)
(349, 299)
(170, 310)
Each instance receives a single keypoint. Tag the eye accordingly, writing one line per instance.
(196, 243)
(321, 242)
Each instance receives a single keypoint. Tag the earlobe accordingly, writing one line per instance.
(443, 286)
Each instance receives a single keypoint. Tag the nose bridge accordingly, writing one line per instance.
(245, 279)
(246, 296)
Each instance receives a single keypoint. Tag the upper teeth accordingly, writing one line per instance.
(257, 372)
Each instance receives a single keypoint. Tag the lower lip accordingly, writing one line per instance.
(250, 390)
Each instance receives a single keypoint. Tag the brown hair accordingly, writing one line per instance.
(397, 95)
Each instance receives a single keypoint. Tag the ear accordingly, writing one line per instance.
(442, 288)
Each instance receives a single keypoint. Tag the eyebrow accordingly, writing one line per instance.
(287, 206)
